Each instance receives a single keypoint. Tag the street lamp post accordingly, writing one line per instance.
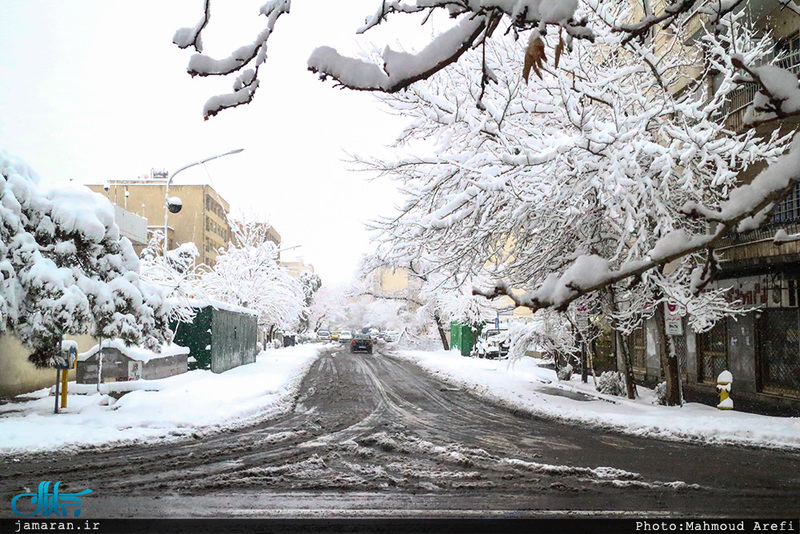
(178, 208)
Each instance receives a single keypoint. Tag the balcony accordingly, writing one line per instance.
(758, 244)
(742, 97)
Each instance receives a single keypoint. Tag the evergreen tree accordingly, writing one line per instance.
(66, 270)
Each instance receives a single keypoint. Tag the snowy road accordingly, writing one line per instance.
(372, 435)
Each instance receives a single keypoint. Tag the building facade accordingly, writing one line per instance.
(203, 220)
(761, 348)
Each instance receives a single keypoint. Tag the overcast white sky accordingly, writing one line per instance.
(92, 90)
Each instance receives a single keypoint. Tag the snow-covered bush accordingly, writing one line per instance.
(612, 383)
(661, 394)
(547, 332)
(565, 373)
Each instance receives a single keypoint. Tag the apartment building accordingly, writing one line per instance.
(394, 283)
(762, 348)
(202, 221)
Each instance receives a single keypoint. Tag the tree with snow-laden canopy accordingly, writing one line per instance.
(557, 184)
(66, 270)
(310, 283)
(479, 22)
(247, 274)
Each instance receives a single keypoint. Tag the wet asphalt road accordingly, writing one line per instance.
(372, 435)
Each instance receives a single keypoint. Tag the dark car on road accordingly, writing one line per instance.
(361, 342)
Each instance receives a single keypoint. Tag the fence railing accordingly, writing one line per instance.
(738, 100)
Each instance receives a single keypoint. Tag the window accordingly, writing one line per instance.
(789, 49)
(788, 209)
(214, 207)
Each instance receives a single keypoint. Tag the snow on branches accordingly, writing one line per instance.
(596, 175)
(247, 274)
(476, 21)
(476, 24)
(253, 54)
(65, 269)
(176, 272)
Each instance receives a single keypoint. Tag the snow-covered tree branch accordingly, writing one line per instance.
(176, 272)
(475, 23)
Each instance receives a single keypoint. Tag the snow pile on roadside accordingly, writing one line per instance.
(172, 407)
(525, 386)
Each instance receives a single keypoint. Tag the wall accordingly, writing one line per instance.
(18, 375)
(132, 226)
(115, 365)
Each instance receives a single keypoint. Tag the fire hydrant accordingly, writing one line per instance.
(724, 381)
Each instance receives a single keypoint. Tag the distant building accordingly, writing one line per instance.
(132, 226)
(296, 268)
(272, 235)
(202, 221)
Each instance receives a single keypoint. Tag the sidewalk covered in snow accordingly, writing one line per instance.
(527, 388)
(156, 409)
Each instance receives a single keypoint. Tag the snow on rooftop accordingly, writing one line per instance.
(219, 305)
(134, 352)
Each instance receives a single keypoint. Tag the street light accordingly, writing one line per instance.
(175, 205)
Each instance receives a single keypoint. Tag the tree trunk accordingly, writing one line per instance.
(669, 360)
(442, 333)
(627, 366)
(622, 344)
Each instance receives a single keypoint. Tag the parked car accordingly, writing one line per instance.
(323, 335)
(491, 343)
(391, 336)
(361, 342)
(345, 336)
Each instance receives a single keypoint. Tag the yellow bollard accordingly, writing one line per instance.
(724, 382)
(64, 377)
